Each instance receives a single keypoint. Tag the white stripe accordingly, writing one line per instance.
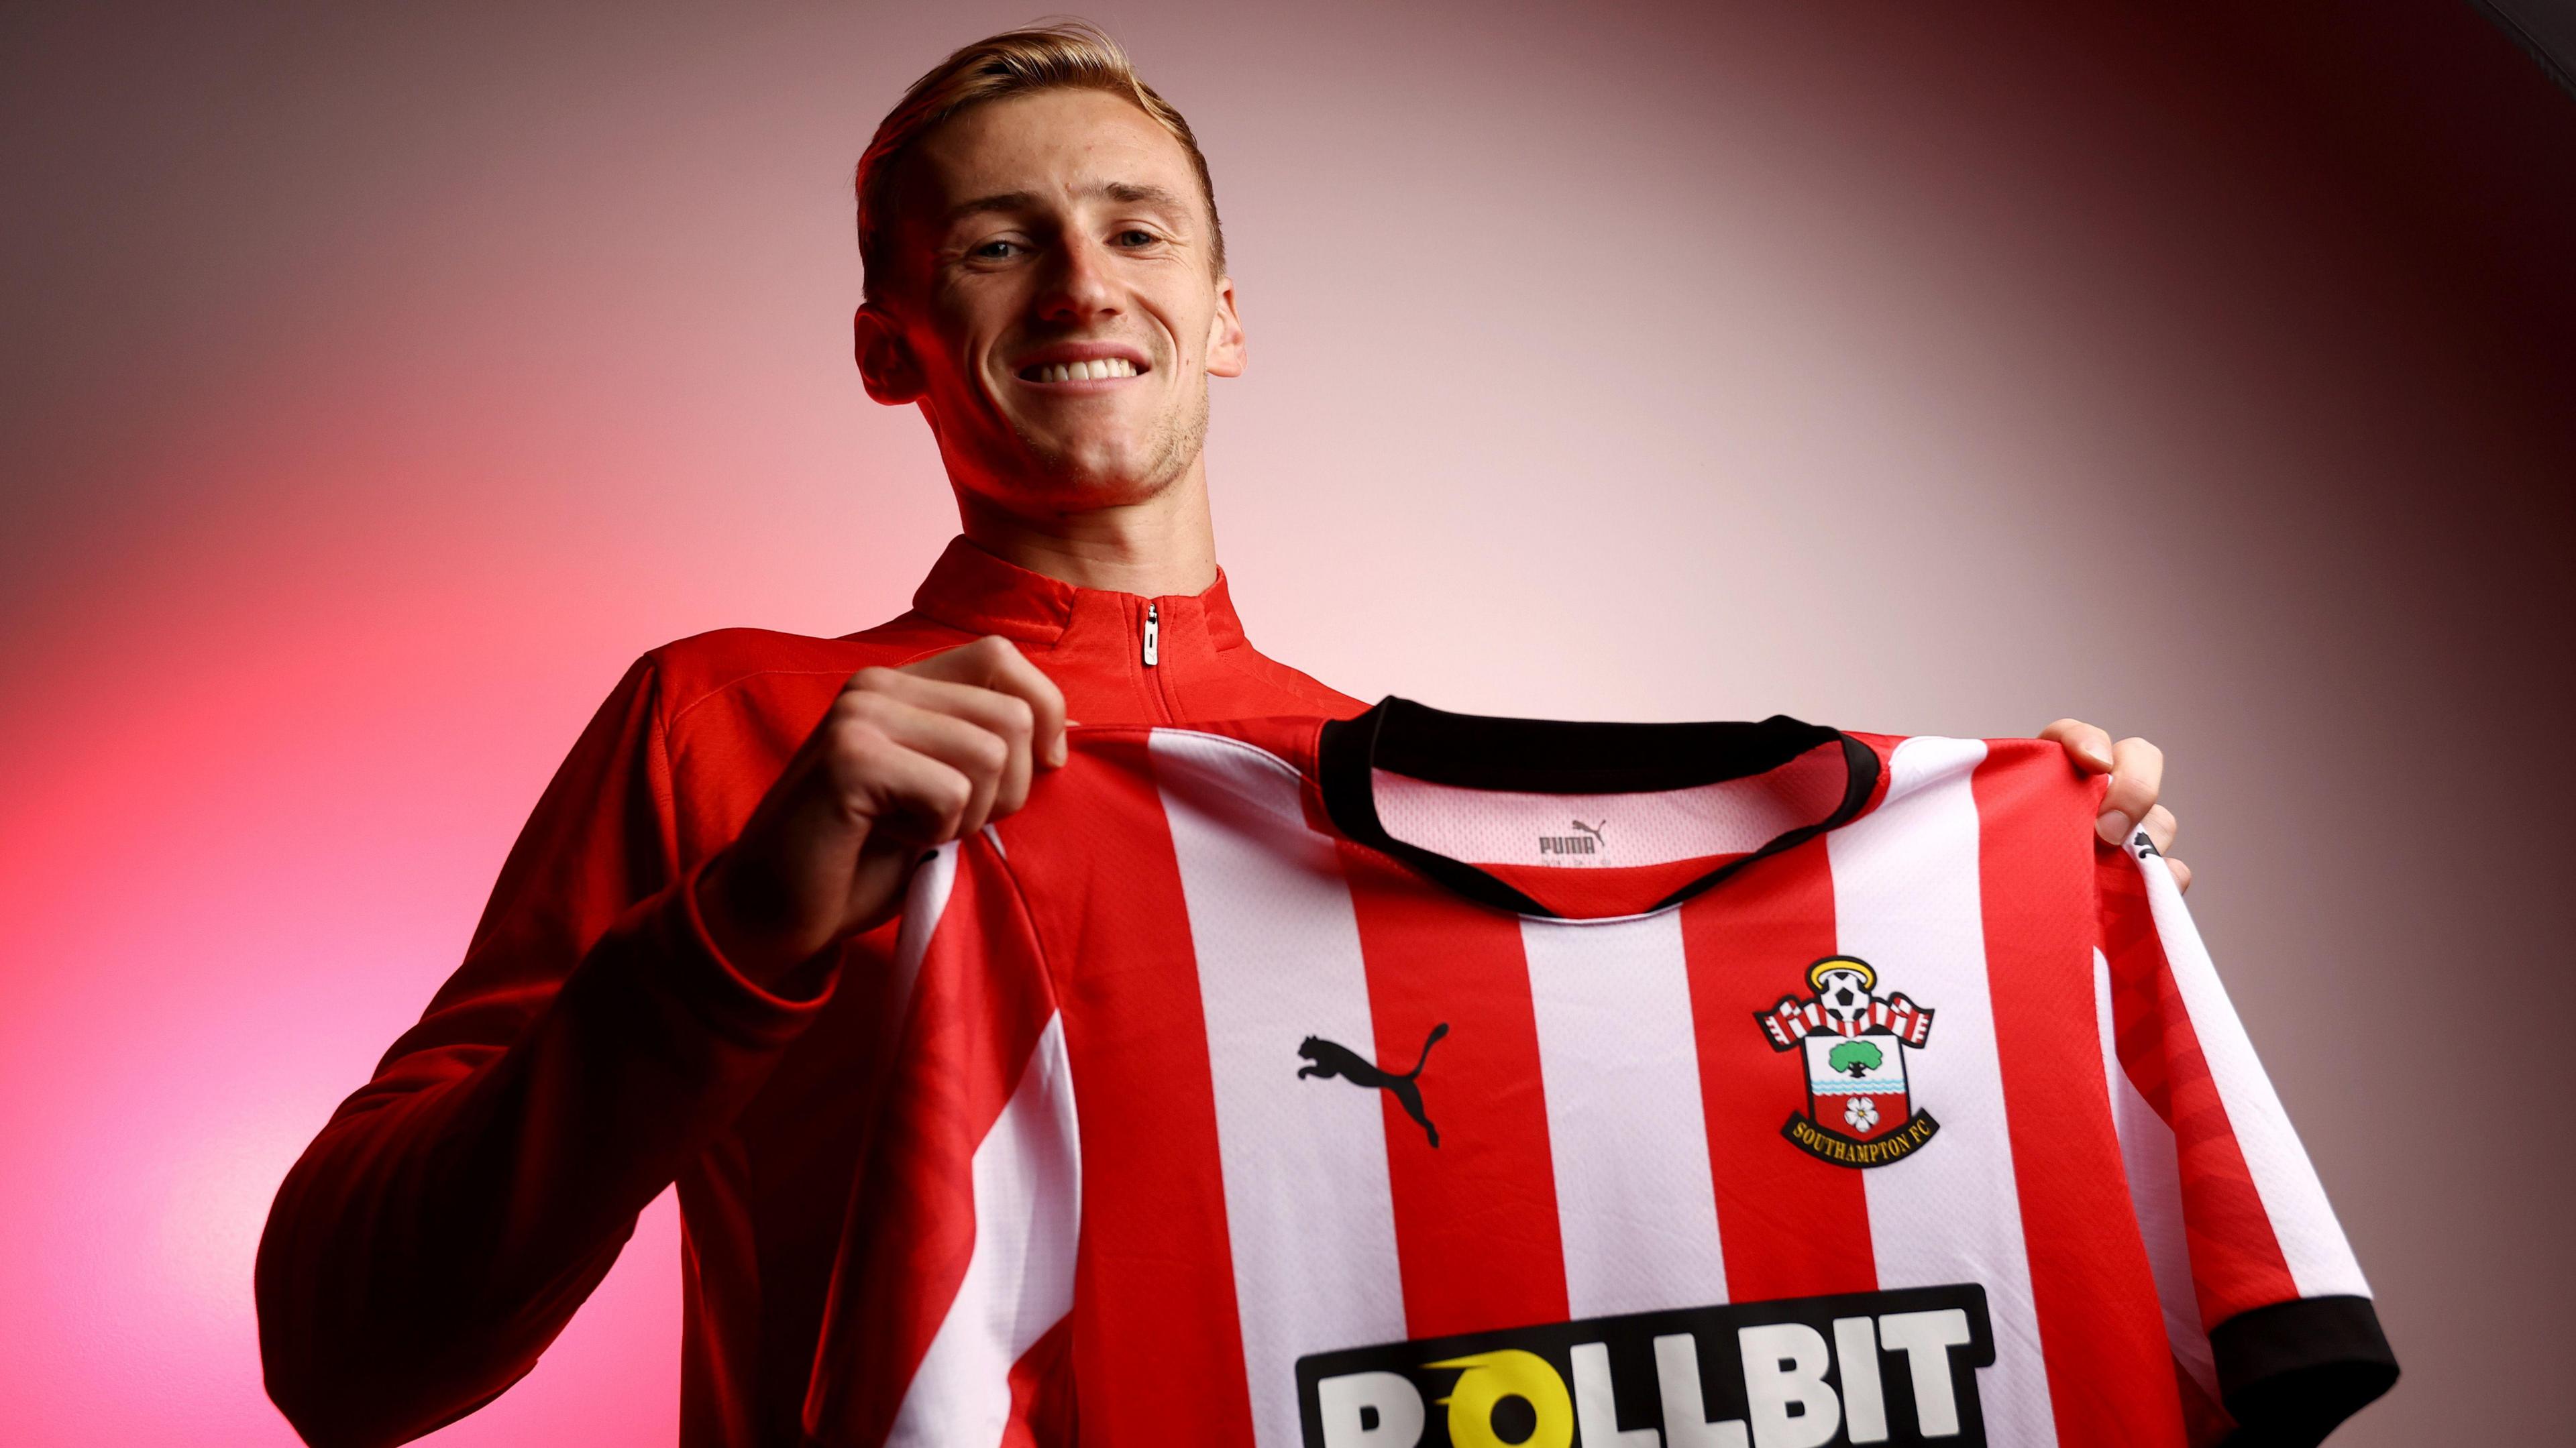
(2155, 1190)
(2312, 1241)
(1906, 900)
(1308, 1211)
(924, 902)
(1019, 1280)
(1620, 1071)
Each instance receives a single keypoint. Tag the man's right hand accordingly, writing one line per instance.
(905, 759)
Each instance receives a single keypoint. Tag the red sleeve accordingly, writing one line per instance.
(456, 1210)
(949, 1303)
(2266, 1307)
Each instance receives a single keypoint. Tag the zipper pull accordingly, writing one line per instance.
(1153, 634)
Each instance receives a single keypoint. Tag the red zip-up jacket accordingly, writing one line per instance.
(595, 1047)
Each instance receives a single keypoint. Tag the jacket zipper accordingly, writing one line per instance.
(1158, 692)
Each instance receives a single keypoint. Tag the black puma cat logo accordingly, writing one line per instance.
(1327, 1059)
(1587, 842)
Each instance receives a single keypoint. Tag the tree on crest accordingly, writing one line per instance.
(1857, 1057)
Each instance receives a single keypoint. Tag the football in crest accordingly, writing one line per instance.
(1843, 993)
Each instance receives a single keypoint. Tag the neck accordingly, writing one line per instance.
(1158, 547)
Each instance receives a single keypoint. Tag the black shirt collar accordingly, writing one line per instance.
(1548, 756)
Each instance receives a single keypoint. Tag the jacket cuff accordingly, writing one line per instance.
(714, 989)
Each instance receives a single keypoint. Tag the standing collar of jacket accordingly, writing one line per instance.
(973, 590)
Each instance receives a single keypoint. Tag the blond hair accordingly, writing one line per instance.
(1062, 55)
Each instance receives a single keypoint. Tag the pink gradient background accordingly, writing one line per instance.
(377, 384)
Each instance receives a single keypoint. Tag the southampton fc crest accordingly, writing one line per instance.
(1860, 1112)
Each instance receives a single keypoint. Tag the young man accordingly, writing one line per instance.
(678, 974)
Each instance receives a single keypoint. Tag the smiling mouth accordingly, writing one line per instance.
(1100, 369)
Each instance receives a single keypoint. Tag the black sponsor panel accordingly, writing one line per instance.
(1893, 1368)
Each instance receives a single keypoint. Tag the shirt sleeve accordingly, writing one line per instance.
(2274, 1335)
(947, 1321)
(453, 1213)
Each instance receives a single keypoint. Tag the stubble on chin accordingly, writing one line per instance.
(1066, 477)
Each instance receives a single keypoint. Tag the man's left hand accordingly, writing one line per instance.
(2137, 771)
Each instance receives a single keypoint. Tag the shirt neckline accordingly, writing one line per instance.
(977, 592)
(1549, 756)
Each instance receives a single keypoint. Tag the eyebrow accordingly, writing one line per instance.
(1137, 195)
(1126, 192)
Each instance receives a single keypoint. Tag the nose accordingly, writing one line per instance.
(1078, 288)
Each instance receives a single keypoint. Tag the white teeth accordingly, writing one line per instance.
(1092, 371)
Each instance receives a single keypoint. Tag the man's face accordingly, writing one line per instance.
(1053, 306)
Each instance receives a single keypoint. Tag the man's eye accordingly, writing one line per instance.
(995, 250)
(1135, 237)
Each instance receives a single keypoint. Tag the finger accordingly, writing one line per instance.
(2161, 827)
(877, 720)
(2137, 773)
(991, 662)
(921, 800)
(2089, 747)
(926, 799)
(1007, 716)
(2181, 873)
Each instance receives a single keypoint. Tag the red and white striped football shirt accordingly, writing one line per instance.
(1426, 1079)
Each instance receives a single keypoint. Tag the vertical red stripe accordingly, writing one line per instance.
(2206, 1422)
(1475, 1217)
(1790, 1225)
(2236, 1260)
(1042, 1393)
(1157, 1342)
(2110, 1371)
(974, 1017)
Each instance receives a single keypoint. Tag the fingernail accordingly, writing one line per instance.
(2113, 827)
(1056, 756)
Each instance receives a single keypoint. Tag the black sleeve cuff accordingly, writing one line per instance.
(2292, 1372)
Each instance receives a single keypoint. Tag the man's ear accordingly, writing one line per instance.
(1226, 354)
(886, 364)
